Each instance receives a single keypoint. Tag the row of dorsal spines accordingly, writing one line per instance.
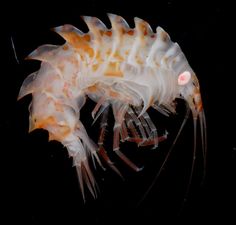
(120, 43)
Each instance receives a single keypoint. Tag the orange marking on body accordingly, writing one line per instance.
(123, 31)
(139, 60)
(143, 28)
(108, 33)
(118, 56)
(151, 101)
(87, 37)
(51, 137)
(113, 70)
(32, 123)
(92, 88)
(98, 55)
(80, 42)
(64, 131)
(199, 107)
(130, 32)
(101, 32)
(89, 50)
(113, 74)
(108, 52)
(127, 52)
(65, 47)
(45, 122)
(113, 94)
(95, 67)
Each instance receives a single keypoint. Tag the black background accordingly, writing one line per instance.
(40, 185)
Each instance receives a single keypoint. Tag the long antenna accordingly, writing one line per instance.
(14, 50)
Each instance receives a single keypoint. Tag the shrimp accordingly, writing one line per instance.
(127, 70)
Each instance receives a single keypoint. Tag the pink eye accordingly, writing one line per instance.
(184, 78)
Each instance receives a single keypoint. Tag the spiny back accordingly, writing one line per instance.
(104, 50)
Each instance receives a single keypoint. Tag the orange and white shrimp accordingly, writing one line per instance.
(128, 70)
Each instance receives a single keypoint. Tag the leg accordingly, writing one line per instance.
(146, 122)
(101, 150)
(119, 111)
(146, 127)
(138, 124)
(98, 105)
(123, 132)
(154, 133)
(153, 141)
(131, 126)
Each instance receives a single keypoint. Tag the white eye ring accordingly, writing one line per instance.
(184, 78)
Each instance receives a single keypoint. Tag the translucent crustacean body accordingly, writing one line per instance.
(128, 70)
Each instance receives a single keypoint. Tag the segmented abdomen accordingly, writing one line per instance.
(127, 69)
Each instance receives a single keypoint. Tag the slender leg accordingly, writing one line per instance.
(119, 111)
(147, 123)
(101, 110)
(131, 127)
(138, 124)
(98, 105)
(146, 127)
(153, 129)
(149, 126)
(123, 132)
(101, 150)
(165, 109)
(103, 128)
(161, 110)
(153, 141)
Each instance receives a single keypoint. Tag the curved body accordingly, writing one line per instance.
(126, 69)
